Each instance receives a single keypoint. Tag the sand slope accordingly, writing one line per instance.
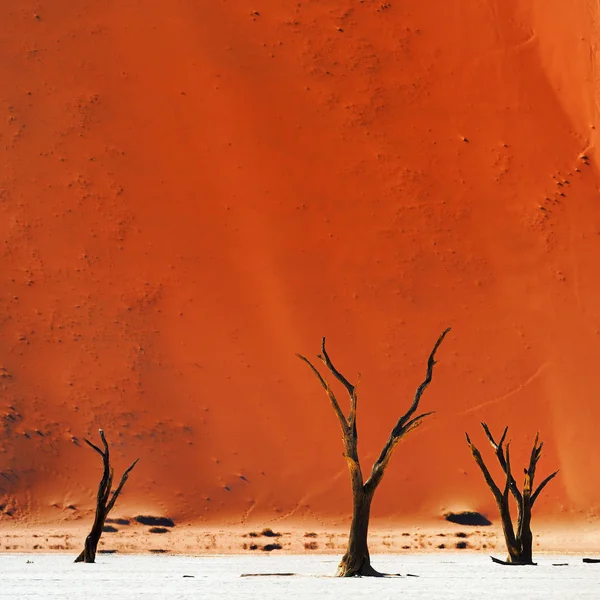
(192, 192)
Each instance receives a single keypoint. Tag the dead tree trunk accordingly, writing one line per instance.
(356, 561)
(104, 503)
(520, 543)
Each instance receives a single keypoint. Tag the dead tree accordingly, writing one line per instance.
(519, 543)
(356, 560)
(104, 503)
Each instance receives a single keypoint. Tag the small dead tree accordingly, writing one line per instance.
(519, 543)
(356, 560)
(104, 503)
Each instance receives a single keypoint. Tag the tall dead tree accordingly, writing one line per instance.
(519, 543)
(356, 560)
(104, 502)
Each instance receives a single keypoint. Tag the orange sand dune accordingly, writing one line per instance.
(192, 192)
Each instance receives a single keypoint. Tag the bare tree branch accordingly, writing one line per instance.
(536, 452)
(325, 358)
(353, 404)
(116, 493)
(415, 422)
(486, 474)
(103, 504)
(336, 407)
(428, 376)
(508, 474)
(400, 429)
(103, 438)
(94, 447)
(498, 447)
(356, 560)
(542, 485)
(520, 546)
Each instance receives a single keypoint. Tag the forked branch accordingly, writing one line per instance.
(520, 545)
(428, 377)
(483, 467)
(499, 449)
(406, 422)
(104, 501)
(542, 485)
(334, 403)
(356, 560)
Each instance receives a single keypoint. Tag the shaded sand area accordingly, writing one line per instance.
(452, 576)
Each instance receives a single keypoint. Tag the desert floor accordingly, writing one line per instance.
(450, 576)
(135, 538)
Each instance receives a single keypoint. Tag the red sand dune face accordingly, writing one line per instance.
(191, 194)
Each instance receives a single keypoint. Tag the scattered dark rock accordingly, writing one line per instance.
(461, 545)
(311, 546)
(269, 533)
(155, 521)
(442, 546)
(158, 551)
(470, 518)
(271, 547)
(158, 530)
(109, 529)
(107, 551)
(462, 534)
(118, 521)
(311, 534)
(253, 547)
